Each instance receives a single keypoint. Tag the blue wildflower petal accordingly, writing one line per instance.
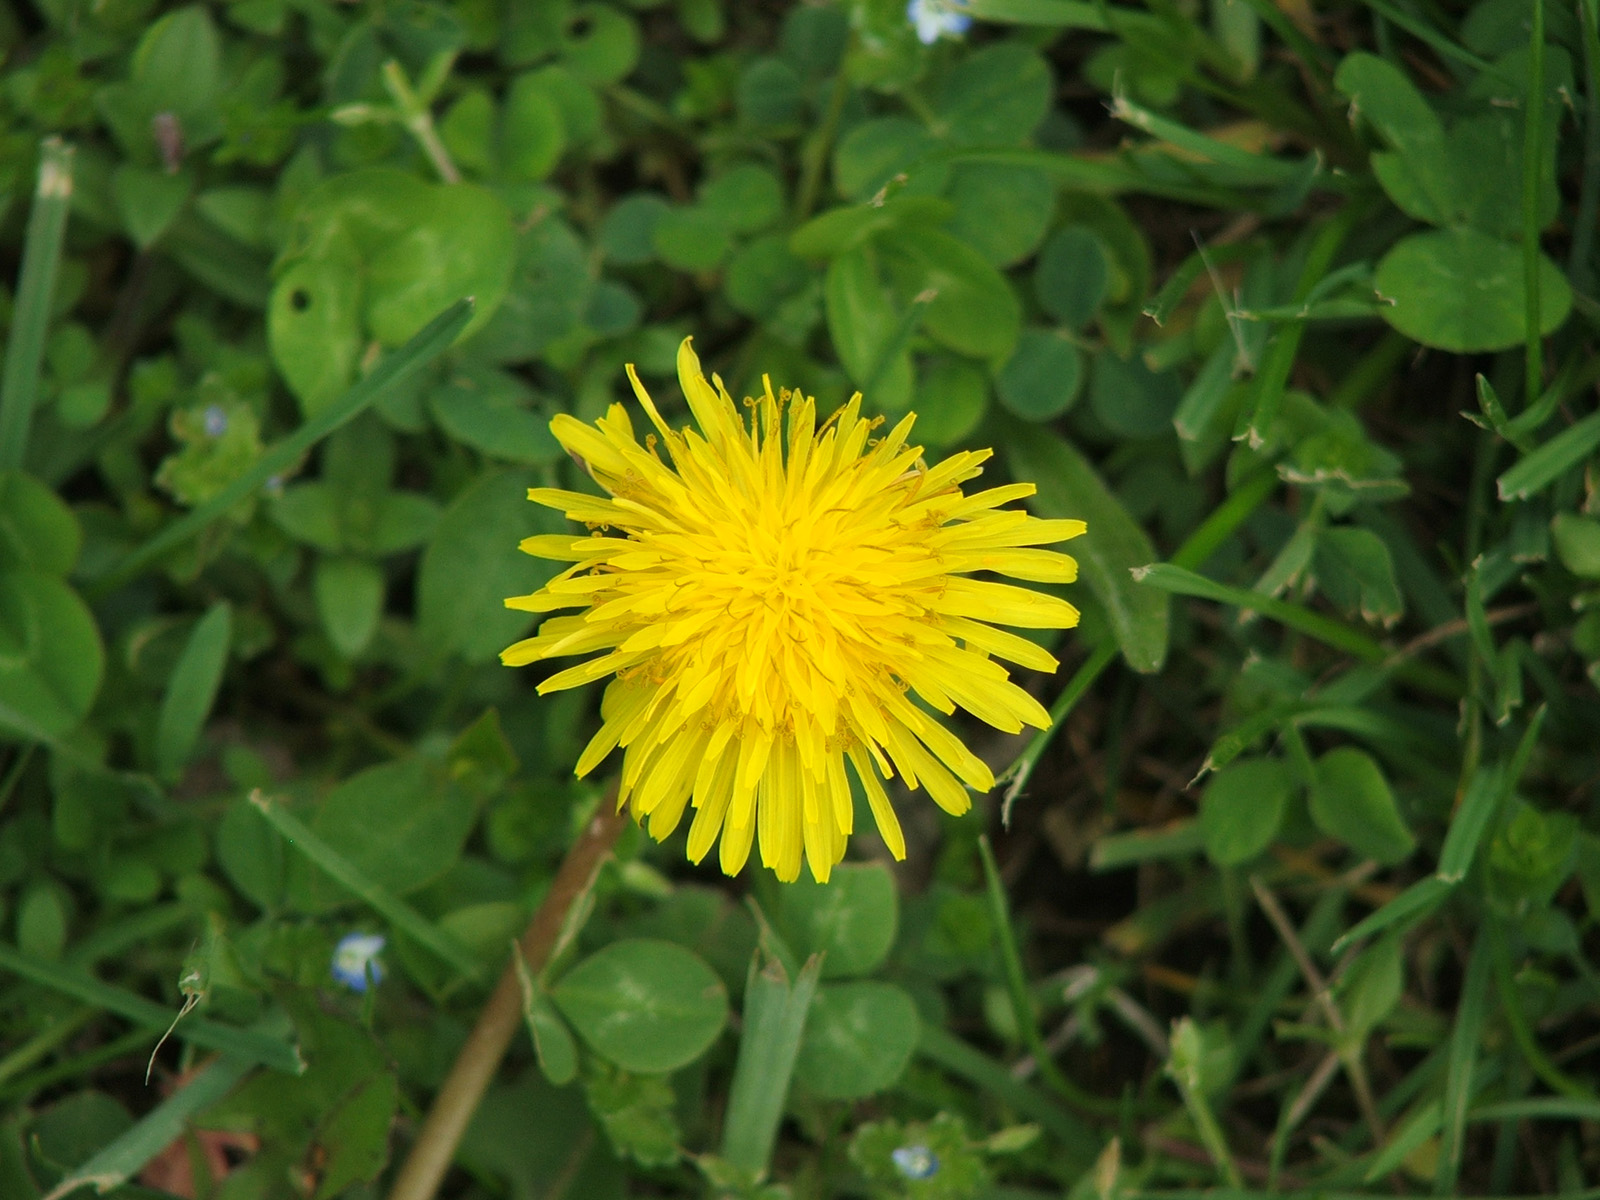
(355, 960)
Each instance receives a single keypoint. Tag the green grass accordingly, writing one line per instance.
(1297, 894)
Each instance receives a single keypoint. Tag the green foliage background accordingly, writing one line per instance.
(1297, 308)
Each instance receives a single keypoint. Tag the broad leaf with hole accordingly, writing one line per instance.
(373, 256)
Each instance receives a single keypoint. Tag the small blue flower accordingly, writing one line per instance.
(355, 960)
(915, 1162)
(215, 420)
(934, 19)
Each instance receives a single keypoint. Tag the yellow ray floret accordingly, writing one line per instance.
(764, 594)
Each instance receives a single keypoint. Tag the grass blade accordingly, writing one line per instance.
(1478, 804)
(1017, 989)
(1253, 169)
(1173, 578)
(396, 911)
(248, 1044)
(1280, 356)
(121, 1159)
(1539, 1108)
(1179, 839)
(1421, 898)
(1533, 124)
(427, 345)
(1045, 14)
(1537, 471)
(1470, 1012)
(774, 1018)
(41, 256)
(954, 1055)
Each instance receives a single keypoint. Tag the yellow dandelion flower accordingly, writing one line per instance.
(767, 596)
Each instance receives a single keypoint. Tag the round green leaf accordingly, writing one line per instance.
(1001, 211)
(762, 275)
(876, 151)
(576, 100)
(858, 1039)
(601, 45)
(627, 235)
(471, 565)
(42, 921)
(467, 131)
(1351, 801)
(404, 521)
(952, 396)
(973, 310)
(192, 687)
(1073, 274)
(553, 1043)
(1577, 543)
(37, 529)
(251, 854)
(1242, 808)
(1462, 291)
(177, 69)
(995, 96)
(491, 415)
(851, 919)
(1130, 399)
(374, 255)
(1040, 380)
(242, 212)
(309, 513)
(770, 93)
(691, 238)
(466, 247)
(401, 824)
(613, 308)
(814, 37)
(349, 595)
(314, 328)
(746, 199)
(148, 201)
(129, 881)
(861, 323)
(51, 658)
(532, 131)
(646, 1005)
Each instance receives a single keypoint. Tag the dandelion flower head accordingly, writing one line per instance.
(772, 597)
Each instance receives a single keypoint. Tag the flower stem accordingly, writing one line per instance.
(486, 1045)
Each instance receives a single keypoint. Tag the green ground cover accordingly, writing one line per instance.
(1294, 305)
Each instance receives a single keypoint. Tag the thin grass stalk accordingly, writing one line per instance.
(1533, 127)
